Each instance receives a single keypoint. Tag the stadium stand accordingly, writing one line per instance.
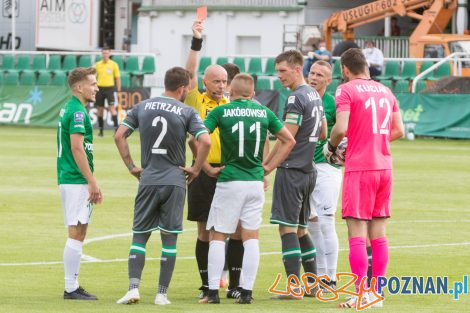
(401, 86)
(39, 63)
(148, 67)
(392, 69)
(59, 79)
(118, 59)
(70, 62)
(11, 78)
(270, 68)
(23, 63)
(337, 69)
(8, 63)
(331, 88)
(240, 62)
(44, 78)
(263, 83)
(84, 61)
(221, 60)
(408, 72)
(125, 79)
(132, 65)
(27, 79)
(442, 71)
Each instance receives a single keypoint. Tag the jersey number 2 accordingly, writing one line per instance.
(156, 146)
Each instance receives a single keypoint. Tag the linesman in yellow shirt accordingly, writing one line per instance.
(109, 81)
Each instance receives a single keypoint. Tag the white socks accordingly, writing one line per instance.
(250, 263)
(216, 261)
(324, 237)
(72, 255)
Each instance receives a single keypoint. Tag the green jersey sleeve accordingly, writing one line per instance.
(212, 120)
(275, 124)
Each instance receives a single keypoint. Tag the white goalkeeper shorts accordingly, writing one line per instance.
(77, 208)
(236, 201)
(324, 198)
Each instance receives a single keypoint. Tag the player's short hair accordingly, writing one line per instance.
(292, 58)
(79, 74)
(232, 70)
(354, 60)
(325, 64)
(176, 77)
(243, 85)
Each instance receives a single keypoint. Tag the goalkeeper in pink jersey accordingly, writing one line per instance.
(368, 114)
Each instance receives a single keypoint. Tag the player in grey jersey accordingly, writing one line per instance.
(163, 123)
(295, 177)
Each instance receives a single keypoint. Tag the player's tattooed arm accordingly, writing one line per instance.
(128, 132)
(120, 138)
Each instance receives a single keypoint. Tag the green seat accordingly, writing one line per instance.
(240, 62)
(203, 64)
(85, 61)
(120, 61)
(442, 71)
(337, 69)
(24, 63)
(27, 79)
(263, 83)
(402, 86)
(408, 72)
(148, 67)
(58, 79)
(420, 86)
(270, 68)
(277, 85)
(221, 60)
(424, 66)
(54, 64)
(200, 85)
(255, 66)
(132, 64)
(8, 63)
(70, 62)
(125, 80)
(44, 78)
(331, 88)
(12, 78)
(98, 58)
(387, 83)
(392, 69)
(39, 62)
(1, 79)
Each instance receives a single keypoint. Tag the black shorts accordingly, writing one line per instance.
(291, 197)
(159, 208)
(105, 93)
(200, 194)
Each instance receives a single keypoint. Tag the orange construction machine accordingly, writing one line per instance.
(429, 31)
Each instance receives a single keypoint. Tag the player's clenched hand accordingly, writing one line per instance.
(213, 171)
(267, 170)
(94, 193)
(198, 29)
(136, 172)
(329, 152)
(191, 173)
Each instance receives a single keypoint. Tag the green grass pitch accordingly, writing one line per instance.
(429, 232)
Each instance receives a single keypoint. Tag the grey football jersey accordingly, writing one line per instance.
(303, 107)
(163, 123)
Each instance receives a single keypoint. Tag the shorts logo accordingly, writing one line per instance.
(291, 99)
(78, 117)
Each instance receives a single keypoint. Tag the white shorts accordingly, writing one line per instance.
(236, 201)
(324, 198)
(77, 208)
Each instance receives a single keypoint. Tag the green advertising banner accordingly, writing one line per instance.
(32, 105)
(40, 105)
(436, 115)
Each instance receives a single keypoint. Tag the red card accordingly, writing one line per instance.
(202, 13)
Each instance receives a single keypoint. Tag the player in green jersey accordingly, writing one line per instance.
(78, 187)
(239, 195)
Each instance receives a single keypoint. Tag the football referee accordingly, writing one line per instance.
(109, 81)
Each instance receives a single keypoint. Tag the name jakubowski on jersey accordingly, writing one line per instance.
(245, 112)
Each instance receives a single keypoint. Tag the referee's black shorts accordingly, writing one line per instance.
(200, 194)
(105, 93)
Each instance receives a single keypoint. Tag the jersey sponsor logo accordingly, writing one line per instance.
(291, 99)
(163, 107)
(89, 147)
(78, 117)
(338, 92)
(245, 112)
(79, 126)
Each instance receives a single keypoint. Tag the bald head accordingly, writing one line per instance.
(215, 80)
(243, 86)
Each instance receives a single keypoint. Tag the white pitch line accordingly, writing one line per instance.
(93, 260)
(89, 258)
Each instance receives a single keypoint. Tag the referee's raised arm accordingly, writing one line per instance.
(193, 60)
